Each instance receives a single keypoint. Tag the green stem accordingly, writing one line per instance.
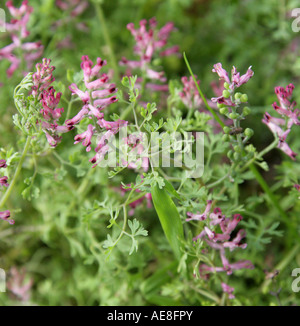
(190, 113)
(125, 112)
(211, 185)
(281, 265)
(17, 172)
(69, 109)
(201, 94)
(252, 167)
(268, 191)
(268, 149)
(107, 39)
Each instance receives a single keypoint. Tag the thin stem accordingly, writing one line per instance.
(268, 191)
(125, 112)
(281, 265)
(69, 109)
(201, 94)
(17, 172)
(211, 185)
(268, 149)
(252, 167)
(190, 113)
(142, 194)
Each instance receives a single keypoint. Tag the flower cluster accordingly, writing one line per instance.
(281, 127)
(71, 9)
(228, 98)
(18, 286)
(230, 85)
(5, 215)
(190, 95)
(76, 7)
(231, 104)
(228, 289)
(18, 32)
(191, 98)
(136, 148)
(96, 97)
(220, 241)
(149, 42)
(46, 95)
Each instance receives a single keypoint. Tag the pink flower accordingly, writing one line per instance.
(44, 93)
(3, 181)
(229, 268)
(18, 32)
(198, 216)
(190, 95)
(17, 286)
(281, 127)
(84, 96)
(236, 80)
(222, 73)
(85, 137)
(222, 100)
(77, 7)
(5, 217)
(78, 117)
(240, 80)
(3, 164)
(286, 149)
(114, 126)
(220, 241)
(228, 289)
(43, 77)
(96, 96)
(137, 153)
(99, 86)
(150, 41)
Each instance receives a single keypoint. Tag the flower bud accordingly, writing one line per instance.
(237, 148)
(226, 93)
(233, 116)
(244, 98)
(230, 154)
(237, 95)
(225, 138)
(224, 110)
(226, 130)
(220, 105)
(249, 132)
(226, 85)
(236, 156)
(246, 110)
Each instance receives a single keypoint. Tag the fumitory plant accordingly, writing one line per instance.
(129, 150)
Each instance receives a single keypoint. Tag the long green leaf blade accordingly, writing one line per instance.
(169, 218)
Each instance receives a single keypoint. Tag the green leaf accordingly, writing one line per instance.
(169, 218)
(154, 283)
(169, 187)
(70, 75)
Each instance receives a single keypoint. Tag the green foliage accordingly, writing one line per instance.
(94, 236)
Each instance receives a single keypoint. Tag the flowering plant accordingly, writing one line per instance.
(117, 159)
